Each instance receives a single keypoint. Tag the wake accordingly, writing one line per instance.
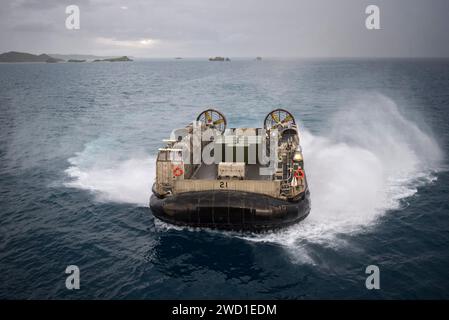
(369, 161)
(372, 159)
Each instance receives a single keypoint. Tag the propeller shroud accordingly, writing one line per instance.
(278, 118)
(213, 118)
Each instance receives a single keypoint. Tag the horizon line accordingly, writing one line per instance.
(235, 57)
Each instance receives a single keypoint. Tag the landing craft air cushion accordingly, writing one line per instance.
(239, 189)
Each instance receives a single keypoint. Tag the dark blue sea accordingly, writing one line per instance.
(77, 148)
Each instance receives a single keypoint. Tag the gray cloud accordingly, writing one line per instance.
(290, 28)
(35, 27)
(46, 4)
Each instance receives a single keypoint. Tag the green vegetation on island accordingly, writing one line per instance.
(14, 56)
(219, 59)
(119, 59)
(52, 60)
(75, 56)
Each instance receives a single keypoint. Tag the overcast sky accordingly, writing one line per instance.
(234, 28)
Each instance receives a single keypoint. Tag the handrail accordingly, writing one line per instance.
(170, 149)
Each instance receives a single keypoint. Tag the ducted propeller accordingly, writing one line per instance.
(213, 119)
(278, 118)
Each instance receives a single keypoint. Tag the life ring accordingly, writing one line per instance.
(177, 171)
(299, 174)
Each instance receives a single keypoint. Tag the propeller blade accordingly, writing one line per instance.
(218, 121)
(208, 116)
(287, 119)
(275, 117)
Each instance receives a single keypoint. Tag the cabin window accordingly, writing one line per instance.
(170, 155)
(176, 156)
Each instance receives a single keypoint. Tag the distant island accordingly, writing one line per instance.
(119, 59)
(53, 60)
(219, 59)
(74, 56)
(178, 58)
(14, 56)
(258, 58)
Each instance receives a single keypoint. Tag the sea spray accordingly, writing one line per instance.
(371, 158)
(126, 181)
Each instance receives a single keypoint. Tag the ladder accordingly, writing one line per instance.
(285, 174)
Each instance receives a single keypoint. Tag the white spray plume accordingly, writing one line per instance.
(371, 159)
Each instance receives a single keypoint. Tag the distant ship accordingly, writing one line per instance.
(219, 59)
(258, 58)
(233, 192)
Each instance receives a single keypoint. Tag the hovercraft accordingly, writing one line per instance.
(243, 179)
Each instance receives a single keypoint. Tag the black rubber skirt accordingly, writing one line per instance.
(230, 210)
